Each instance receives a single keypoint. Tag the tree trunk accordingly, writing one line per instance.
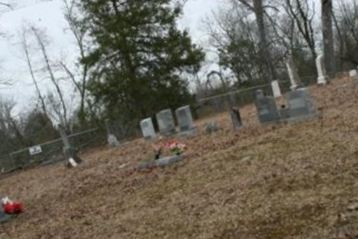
(328, 41)
(265, 55)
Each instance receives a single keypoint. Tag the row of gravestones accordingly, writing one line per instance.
(166, 123)
(300, 106)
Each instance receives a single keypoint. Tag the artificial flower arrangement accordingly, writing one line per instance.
(174, 147)
(10, 207)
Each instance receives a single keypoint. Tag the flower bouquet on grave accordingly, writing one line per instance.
(10, 207)
(174, 147)
(176, 150)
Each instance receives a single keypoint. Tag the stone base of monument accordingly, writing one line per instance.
(300, 118)
(188, 133)
(162, 162)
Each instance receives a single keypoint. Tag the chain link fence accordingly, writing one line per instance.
(50, 152)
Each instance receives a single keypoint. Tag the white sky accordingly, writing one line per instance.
(48, 14)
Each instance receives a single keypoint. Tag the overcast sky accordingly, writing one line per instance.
(48, 14)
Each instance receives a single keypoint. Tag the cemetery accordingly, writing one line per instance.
(224, 182)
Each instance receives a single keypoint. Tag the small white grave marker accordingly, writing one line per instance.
(276, 89)
(112, 140)
(35, 150)
(353, 74)
(322, 77)
(292, 73)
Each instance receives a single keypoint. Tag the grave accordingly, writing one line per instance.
(300, 105)
(112, 140)
(322, 77)
(276, 89)
(147, 128)
(353, 74)
(236, 117)
(161, 162)
(212, 127)
(166, 123)
(185, 120)
(266, 108)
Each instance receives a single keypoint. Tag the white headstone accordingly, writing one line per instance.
(112, 140)
(166, 123)
(353, 74)
(322, 77)
(147, 128)
(185, 119)
(292, 73)
(276, 89)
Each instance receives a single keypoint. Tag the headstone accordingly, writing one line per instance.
(322, 75)
(236, 117)
(147, 128)
(185, 119)
(292, 73)
(166, 122)
(276, 89)
(212, 127)
(300, 104)
(266, 108)
(112, 140)
(353, 74)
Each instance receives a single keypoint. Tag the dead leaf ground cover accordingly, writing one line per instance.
(274, 181)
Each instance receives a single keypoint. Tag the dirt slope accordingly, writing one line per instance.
(283, 181)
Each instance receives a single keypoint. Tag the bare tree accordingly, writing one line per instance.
(80, 33)
(40, 38)
(303, 17)
(328, 39)
(25, 48)
(265, 55)
(346, 23)
(232, 33)
(9, 128)
(7, 5)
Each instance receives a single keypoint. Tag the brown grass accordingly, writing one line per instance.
(276, 181)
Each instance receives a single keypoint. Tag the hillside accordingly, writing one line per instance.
(261, 182)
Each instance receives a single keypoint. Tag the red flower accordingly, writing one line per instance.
(13, 208)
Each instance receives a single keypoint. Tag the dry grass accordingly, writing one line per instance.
(282, 181)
